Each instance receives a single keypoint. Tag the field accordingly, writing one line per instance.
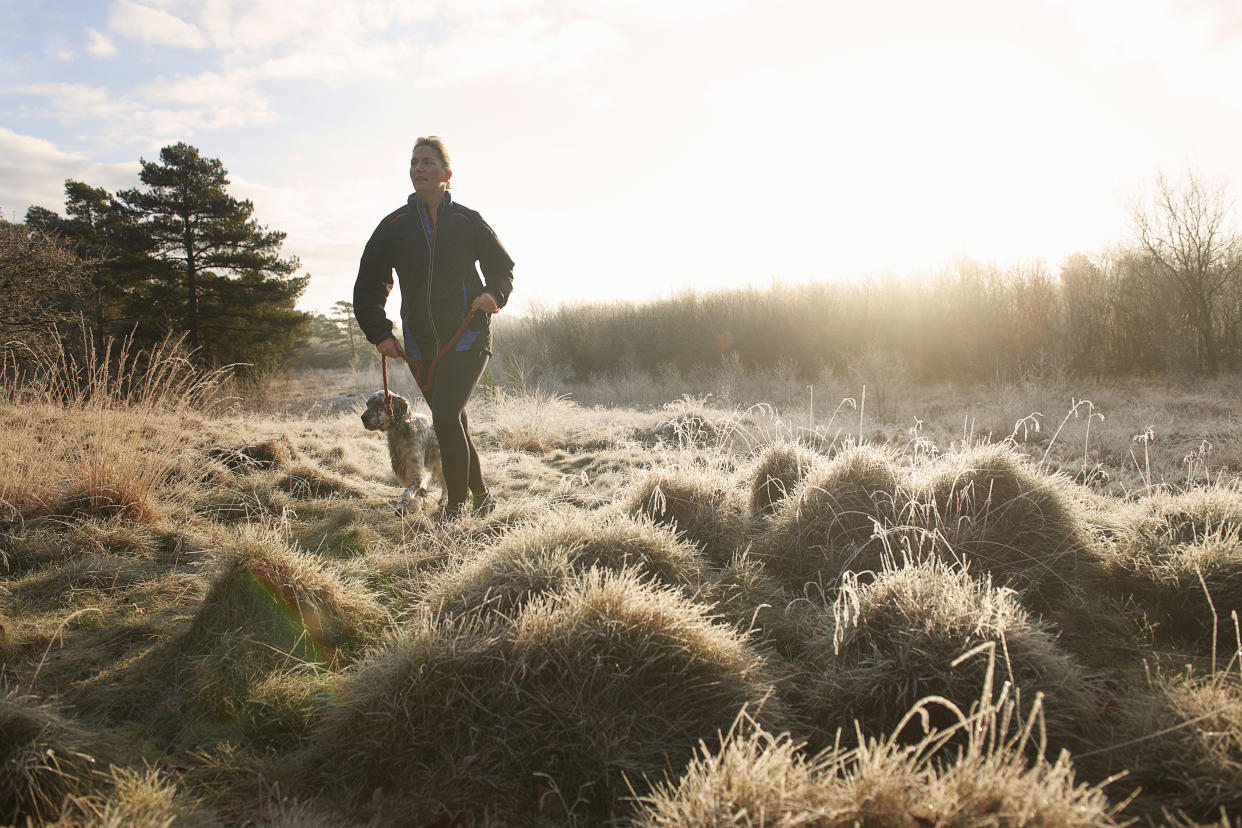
(713, 600)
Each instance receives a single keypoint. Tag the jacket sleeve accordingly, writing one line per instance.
(371, 290)
(495, 263)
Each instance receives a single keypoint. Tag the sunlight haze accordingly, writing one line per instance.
(629, 150)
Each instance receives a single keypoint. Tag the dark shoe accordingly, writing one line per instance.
(449, 515)
(484, 505)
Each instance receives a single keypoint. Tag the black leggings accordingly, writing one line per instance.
(454, 380)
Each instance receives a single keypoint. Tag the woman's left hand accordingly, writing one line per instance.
(485, 302)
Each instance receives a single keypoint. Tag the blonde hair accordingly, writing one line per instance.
(437, 145)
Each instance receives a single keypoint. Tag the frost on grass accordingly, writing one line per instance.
(545, 715)
(261, 651)
(756, 778)
(701, 504)
(543, 557)
(1002, 516)
(1182, 561)
(909, 634)
(778, 472)
(1186, 741)
(829, 525)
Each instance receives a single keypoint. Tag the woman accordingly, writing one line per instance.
(434, 244)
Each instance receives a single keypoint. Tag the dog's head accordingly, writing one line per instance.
(375, 417)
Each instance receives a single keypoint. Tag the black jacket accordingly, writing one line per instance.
(439, 280)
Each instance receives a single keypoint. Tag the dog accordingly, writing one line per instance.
(412, 446)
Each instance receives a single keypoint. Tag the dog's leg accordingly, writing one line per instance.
(422, 491)
(403, 502)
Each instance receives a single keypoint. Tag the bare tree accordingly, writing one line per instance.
(41, 283)
(1186, 230)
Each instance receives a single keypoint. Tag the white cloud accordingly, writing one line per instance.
(538, 47)
(154, 26)
(99, 44)
(73, 102)
(163, 110)
(244, 27)
(60, 50)
(33, 171)
(211, 100)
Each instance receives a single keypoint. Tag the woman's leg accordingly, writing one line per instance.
(455, 378)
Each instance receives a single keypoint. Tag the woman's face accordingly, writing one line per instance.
(427, 173)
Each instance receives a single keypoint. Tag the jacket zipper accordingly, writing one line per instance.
(431, 267)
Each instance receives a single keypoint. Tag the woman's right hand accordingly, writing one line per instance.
(390, 347)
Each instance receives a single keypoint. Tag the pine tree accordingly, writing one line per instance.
(226, 286)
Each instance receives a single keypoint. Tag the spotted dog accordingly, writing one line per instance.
(412, 446)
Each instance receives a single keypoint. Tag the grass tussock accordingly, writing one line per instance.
(1186, 741)
(1182, 563)
(344, 532)
(274, 452)
(700, 504)
(757, 779)
(538, 558)
(45, 759)
(261, 651)
(146, 799)
(829, 526)
(546, 715)
(1006, 518)
(927, 630)
(308, 481)
(297, 606)
(778, 472)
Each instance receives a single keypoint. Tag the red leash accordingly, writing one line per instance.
(417, 367)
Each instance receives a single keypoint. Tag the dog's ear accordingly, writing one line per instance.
(400, 408)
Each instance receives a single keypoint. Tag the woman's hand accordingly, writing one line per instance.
(485, 302)
(390, 347)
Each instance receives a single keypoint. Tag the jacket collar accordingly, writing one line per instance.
(420, 207)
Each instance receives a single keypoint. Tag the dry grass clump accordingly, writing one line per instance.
(145, 799)
(1211, 511)
(344, 532)
(690, 422)
(777, 474)
(270, 610)
(829, 525)
(907, 635)
(306, 481)
(44, 759)
(1008, 519)
(35, 545)
(756, 779)
(274, 452)
(543, 716)
(535, 421)
(1182, 562)
(746, 596)
(542, 557)
(1195, 588)
(699, 503)
(1187, 742)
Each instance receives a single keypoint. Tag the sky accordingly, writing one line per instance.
(635, 149)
